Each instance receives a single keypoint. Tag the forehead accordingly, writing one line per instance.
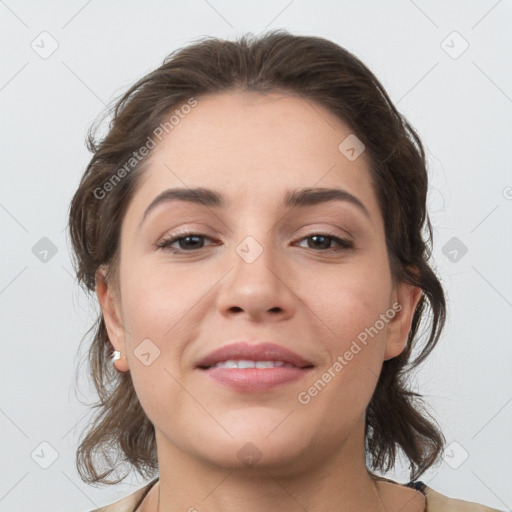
(254, 147)
(274, 130)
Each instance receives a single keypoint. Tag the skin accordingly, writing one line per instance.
(314, 300)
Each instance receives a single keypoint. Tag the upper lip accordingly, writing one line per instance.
(253, 352)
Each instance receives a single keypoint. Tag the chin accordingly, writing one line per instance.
(255, 445)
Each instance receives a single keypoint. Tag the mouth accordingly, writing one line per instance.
(247, 363)
(254, 367)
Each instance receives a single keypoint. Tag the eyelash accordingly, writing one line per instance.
(165, 244)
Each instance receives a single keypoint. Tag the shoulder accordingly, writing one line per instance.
(128, 503)
(438, 502)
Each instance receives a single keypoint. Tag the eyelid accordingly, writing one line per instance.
(343, 242)
(330, 230)
(177, 235)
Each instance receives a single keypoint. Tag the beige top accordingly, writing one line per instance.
(436, 502)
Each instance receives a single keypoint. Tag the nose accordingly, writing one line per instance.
(257, 289)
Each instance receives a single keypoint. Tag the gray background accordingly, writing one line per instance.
(459, 100)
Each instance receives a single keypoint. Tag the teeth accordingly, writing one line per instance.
(251, 364)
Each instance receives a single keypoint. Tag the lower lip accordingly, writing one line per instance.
(256, 379)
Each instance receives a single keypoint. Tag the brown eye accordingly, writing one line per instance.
(186, 242)
(323, 242)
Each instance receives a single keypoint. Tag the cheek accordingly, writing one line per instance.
(348, 304)
(154, 299)
(348, 300)
(354, 338)
(163, 310)
(156, 312)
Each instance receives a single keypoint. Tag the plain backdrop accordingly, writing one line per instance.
(446, 65)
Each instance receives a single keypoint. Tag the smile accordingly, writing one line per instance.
(243, 363)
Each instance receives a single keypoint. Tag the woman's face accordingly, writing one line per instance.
(256, 269)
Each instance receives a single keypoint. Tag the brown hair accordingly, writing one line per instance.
(320, 71)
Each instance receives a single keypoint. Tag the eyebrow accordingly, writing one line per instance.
(294, 198)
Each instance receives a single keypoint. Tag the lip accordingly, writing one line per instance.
(254, 352)
(254, 379)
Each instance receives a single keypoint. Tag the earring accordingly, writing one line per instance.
(116, 356)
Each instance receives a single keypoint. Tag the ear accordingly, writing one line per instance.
(112, 315)
(406, 298)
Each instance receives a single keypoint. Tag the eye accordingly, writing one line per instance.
(190, 242)
(187, 242)
(323, 241)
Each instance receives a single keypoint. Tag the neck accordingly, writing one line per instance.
(332, 481)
